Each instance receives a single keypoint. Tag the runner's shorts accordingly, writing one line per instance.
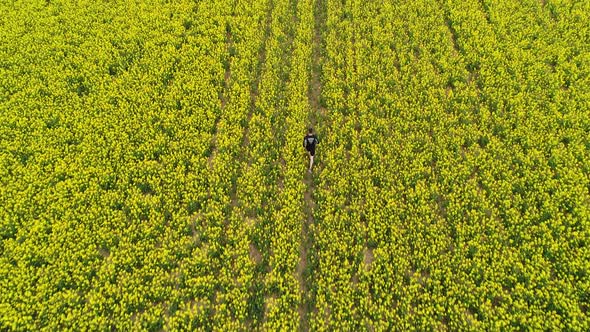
(311, 150)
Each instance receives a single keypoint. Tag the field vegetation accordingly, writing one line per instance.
(152, 175)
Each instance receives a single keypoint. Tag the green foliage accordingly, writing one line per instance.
(151, 165)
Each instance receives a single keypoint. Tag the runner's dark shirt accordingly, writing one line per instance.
(310, 142)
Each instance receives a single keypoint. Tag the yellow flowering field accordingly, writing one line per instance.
(152, 173)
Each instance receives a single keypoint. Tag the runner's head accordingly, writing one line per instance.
(310, 130)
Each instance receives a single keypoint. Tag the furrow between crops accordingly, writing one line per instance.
(255, 89)
(305, 269)
(223, 96)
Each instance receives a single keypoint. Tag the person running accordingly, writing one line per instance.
(309, 143)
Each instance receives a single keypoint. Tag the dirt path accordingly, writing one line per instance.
(318, 114)
(305, 268)
(254, 91)
(223, 96)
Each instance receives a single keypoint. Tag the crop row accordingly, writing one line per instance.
(455, 186)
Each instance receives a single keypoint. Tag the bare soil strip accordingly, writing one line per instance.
(305, 267)
(223, 95)
(259, 70)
